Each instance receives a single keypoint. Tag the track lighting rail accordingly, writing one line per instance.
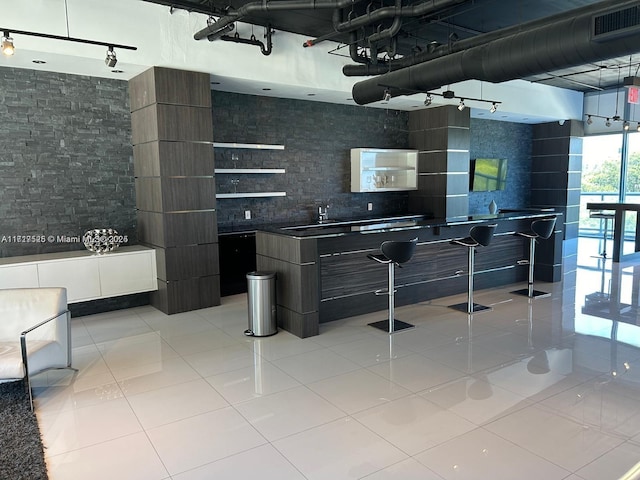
(68, 39)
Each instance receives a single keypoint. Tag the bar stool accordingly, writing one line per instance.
(478, 235)
(606, 216)
(541, 228)
(393, 253)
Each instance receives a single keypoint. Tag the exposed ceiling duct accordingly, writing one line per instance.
(597, 33)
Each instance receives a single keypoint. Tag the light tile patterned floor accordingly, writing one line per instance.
(531, 390)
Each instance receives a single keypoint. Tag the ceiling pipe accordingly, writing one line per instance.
(407, 61)
(252, 41)
(425, 8)
(262, 7)
(390, 32)
(564, 43)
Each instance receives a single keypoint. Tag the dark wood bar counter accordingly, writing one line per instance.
(323, 273)
(620, 210)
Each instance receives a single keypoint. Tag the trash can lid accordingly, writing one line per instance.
(260, 275)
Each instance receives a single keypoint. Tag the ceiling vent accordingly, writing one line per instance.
(616, 23)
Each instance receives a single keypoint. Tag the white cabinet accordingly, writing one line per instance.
(85, 275)
(19, 276)
(383, 170)
(125, 274)
(79, 275)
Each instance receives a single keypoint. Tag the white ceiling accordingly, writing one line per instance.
(165, 39)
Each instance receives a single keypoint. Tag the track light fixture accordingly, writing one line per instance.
(110, 60)
(609, 121)
(7, 44)
(447, 95)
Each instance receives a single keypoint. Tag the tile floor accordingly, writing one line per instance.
(534, 390)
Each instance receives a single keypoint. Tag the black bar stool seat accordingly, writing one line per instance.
(393, 253)
(540, 228)
(479, 235)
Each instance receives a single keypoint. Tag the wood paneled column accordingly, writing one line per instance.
(175, 186)
(556, 166)
(441, 135)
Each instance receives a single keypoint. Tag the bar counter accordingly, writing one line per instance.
(323, 273)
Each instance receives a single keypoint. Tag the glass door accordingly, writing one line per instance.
(601, 166)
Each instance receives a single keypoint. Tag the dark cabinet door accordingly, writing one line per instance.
(237, 258)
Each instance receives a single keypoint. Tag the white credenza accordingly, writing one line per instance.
(86, 275)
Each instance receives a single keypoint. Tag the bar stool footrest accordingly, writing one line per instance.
(398, 325)
(462, 307)
(534, 294)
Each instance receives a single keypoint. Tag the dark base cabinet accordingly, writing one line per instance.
(237, 258)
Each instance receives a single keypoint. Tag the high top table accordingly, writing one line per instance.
(619, 210)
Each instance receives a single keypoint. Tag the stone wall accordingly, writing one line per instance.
(494, 139)
(317, 138)
(65, 160)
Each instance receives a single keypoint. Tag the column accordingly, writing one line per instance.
(441, 135)
(556, 167)
(172, 136)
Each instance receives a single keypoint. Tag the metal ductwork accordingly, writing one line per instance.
(457, 46)
(570, 40)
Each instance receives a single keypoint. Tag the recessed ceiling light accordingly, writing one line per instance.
(39, 62)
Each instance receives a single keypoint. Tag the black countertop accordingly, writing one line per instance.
(333, 228)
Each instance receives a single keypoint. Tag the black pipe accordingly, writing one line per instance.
(407, 61)
(562, 44)
(252, 41)
(380, 14)
(261, 7)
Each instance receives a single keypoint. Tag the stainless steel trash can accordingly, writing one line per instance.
(261, 297)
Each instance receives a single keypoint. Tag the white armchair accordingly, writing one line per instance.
(35, 333)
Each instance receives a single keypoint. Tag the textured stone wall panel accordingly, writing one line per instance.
(66, 161)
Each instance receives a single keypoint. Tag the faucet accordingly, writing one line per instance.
(323, 214)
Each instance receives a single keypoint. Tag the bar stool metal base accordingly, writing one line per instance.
(398, 325)
(532, 294)
(464, 307)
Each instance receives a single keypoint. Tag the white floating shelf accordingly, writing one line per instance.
(253, 146)
(249, 170)
(251, 194)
